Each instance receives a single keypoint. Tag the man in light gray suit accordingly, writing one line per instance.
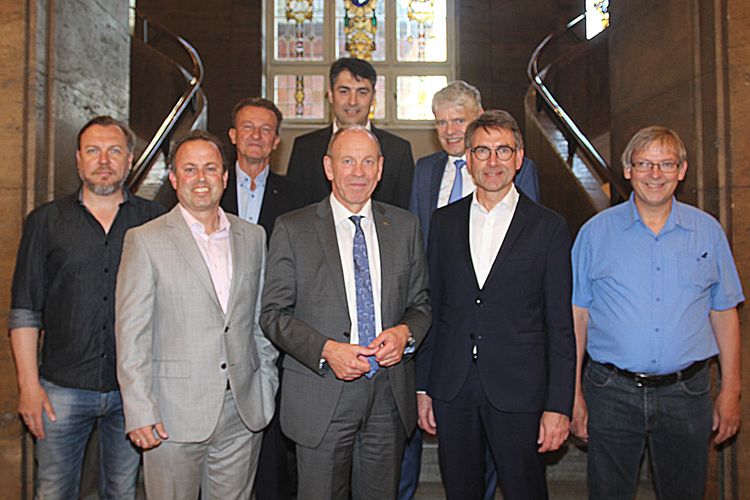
(346, 297)
(196, 373)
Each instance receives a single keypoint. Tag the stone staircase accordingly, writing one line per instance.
(566, 474)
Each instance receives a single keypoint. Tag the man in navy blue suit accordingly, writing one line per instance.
(436, 184)
(498, 365)
(435, 181)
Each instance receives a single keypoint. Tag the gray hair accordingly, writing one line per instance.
(457, 93)
(649, 135)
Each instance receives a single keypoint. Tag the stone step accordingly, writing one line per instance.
(566, 473)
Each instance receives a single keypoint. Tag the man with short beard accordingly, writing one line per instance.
(64, 284)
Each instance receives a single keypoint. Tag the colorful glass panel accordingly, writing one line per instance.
(421, 30)
(298, 30)
(414, 96)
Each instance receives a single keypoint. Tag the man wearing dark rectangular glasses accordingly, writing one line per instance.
(498, 363)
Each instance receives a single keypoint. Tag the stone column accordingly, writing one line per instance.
(63, 62)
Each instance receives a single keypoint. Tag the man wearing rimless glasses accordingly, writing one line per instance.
(654, 300)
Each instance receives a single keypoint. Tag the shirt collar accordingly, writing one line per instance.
(125, 195)
(509, 201)
(452, 159)
(244, 181)
(341, 213)
(197, 226)
(675, 219)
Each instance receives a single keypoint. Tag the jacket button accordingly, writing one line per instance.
(223, 366)
(346, 334)
(478, 301)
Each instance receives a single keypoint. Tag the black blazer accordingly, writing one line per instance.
(306, 166)
(521, 319)
(281, 196)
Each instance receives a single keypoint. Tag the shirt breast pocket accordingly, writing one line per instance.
(695, 271)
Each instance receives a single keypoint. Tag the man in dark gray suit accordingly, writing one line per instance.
(348, 389)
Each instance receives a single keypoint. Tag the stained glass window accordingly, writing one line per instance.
(421, 30)
(305, 103)
(372, 19)
(414, 96)
(597, 17)
(298, 30)
(408, 42)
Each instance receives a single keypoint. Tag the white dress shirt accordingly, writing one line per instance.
(449, 175)
(345, 238)
(487, 231)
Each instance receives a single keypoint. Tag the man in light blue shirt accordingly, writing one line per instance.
(655, 298)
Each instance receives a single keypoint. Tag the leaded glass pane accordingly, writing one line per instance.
(421, 30)
(373, 27)
(414, 96)
(379, 101)
(298, 30)
(597, 17)
(300, 97)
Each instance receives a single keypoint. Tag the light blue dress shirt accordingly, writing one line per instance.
(649, 296)
(249, 201)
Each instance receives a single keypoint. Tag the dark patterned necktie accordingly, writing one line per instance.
(365, 303)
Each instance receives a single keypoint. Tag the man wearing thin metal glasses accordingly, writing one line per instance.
(654, 300)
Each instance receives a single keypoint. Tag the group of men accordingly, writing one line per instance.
(464, 314)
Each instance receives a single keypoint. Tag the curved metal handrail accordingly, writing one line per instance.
(571, 131)
(141, 167)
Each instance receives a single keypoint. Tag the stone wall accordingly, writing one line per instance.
(686, 65)
(495, 42)
(63, 62)
(227, 35)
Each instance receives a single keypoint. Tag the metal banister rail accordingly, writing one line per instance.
(577, 141)
(143, 163)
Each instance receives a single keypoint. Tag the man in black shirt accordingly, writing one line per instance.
(64, 284)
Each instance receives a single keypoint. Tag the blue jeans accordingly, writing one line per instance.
(672, 421)
(59, 455)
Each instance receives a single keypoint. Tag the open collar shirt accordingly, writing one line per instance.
(487, 230)
(64, 284)
(250, 201)
(649, 295)
(216, 251)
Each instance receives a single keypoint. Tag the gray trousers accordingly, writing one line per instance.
(222, 467)
(361, 449)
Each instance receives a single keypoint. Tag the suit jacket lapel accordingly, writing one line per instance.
(183, 240)
(463, 239)
(384, 229)
(237, 247)
(268, 207)
(229, 199)
(436, 176)
(326, 232)
(517, 223)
